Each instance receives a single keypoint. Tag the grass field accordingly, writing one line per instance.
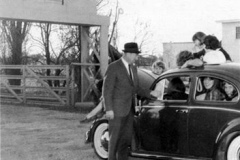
(43, 133)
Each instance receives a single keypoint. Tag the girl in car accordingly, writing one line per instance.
(231, 92)
(211, 91)
(198, 40)
(212, 55)
(183, 57)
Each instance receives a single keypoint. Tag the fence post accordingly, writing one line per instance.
(67, 85)
(24, 84)
(72, 86)
(84, 59)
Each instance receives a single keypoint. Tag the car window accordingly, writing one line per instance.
(214, 89)
(173, 88)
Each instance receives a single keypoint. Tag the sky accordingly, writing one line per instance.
(170, 20)
(174, 20)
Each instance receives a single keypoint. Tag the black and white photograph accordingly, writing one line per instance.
(120, 79)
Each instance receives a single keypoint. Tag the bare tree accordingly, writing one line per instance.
(114, 32)
(68, 37)
(14, 34)
(60, 44)
(142, 34)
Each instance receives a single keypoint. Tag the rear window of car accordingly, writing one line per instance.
(210, 88)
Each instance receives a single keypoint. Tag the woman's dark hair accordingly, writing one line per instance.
(183, 56)
(199, 36)
(234, 93)
(211, 42)
(215, 83)
(176, 84)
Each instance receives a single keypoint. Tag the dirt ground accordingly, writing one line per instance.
(43, 133)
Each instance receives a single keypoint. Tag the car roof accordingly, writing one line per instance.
(149, 72)
(229, 69)
(146, 78)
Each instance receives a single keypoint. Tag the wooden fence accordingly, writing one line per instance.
(46, 84)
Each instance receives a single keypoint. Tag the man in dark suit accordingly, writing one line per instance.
(119, 89)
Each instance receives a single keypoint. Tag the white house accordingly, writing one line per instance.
(231, 38)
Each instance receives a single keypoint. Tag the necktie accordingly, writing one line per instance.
(130, 73)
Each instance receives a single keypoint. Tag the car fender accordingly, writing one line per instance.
(229, 131)
(232, 126)
(89, 136)
(95, 123)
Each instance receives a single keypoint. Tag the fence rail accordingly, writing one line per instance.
(48, 84)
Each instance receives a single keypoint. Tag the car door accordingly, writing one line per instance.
(209, 115)
(163, 122)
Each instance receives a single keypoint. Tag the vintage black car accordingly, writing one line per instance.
(195, 116)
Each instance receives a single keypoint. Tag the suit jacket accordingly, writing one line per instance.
(119, 90)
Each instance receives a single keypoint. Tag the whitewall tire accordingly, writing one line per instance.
(233, 152)
(100, 138)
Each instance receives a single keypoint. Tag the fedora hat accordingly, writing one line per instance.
(131, 48)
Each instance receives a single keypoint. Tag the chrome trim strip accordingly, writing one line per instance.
(144, 155)
(216, 108)
(150, 106)
(186, 107)
(219, 134)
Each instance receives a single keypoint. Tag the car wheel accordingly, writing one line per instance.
(233, 151)
(100, 140)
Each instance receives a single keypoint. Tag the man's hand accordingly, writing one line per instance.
(109, 115)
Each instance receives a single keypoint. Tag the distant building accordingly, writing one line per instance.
(146, 61)
(171, 50)
(231, 38)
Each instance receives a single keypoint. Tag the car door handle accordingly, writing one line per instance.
(182, 111)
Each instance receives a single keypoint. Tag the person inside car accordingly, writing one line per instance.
(198, 40)
(231, 92)
(183, 57)
(210, 91)
(176, 90)
(212, 55)
(186, 59)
